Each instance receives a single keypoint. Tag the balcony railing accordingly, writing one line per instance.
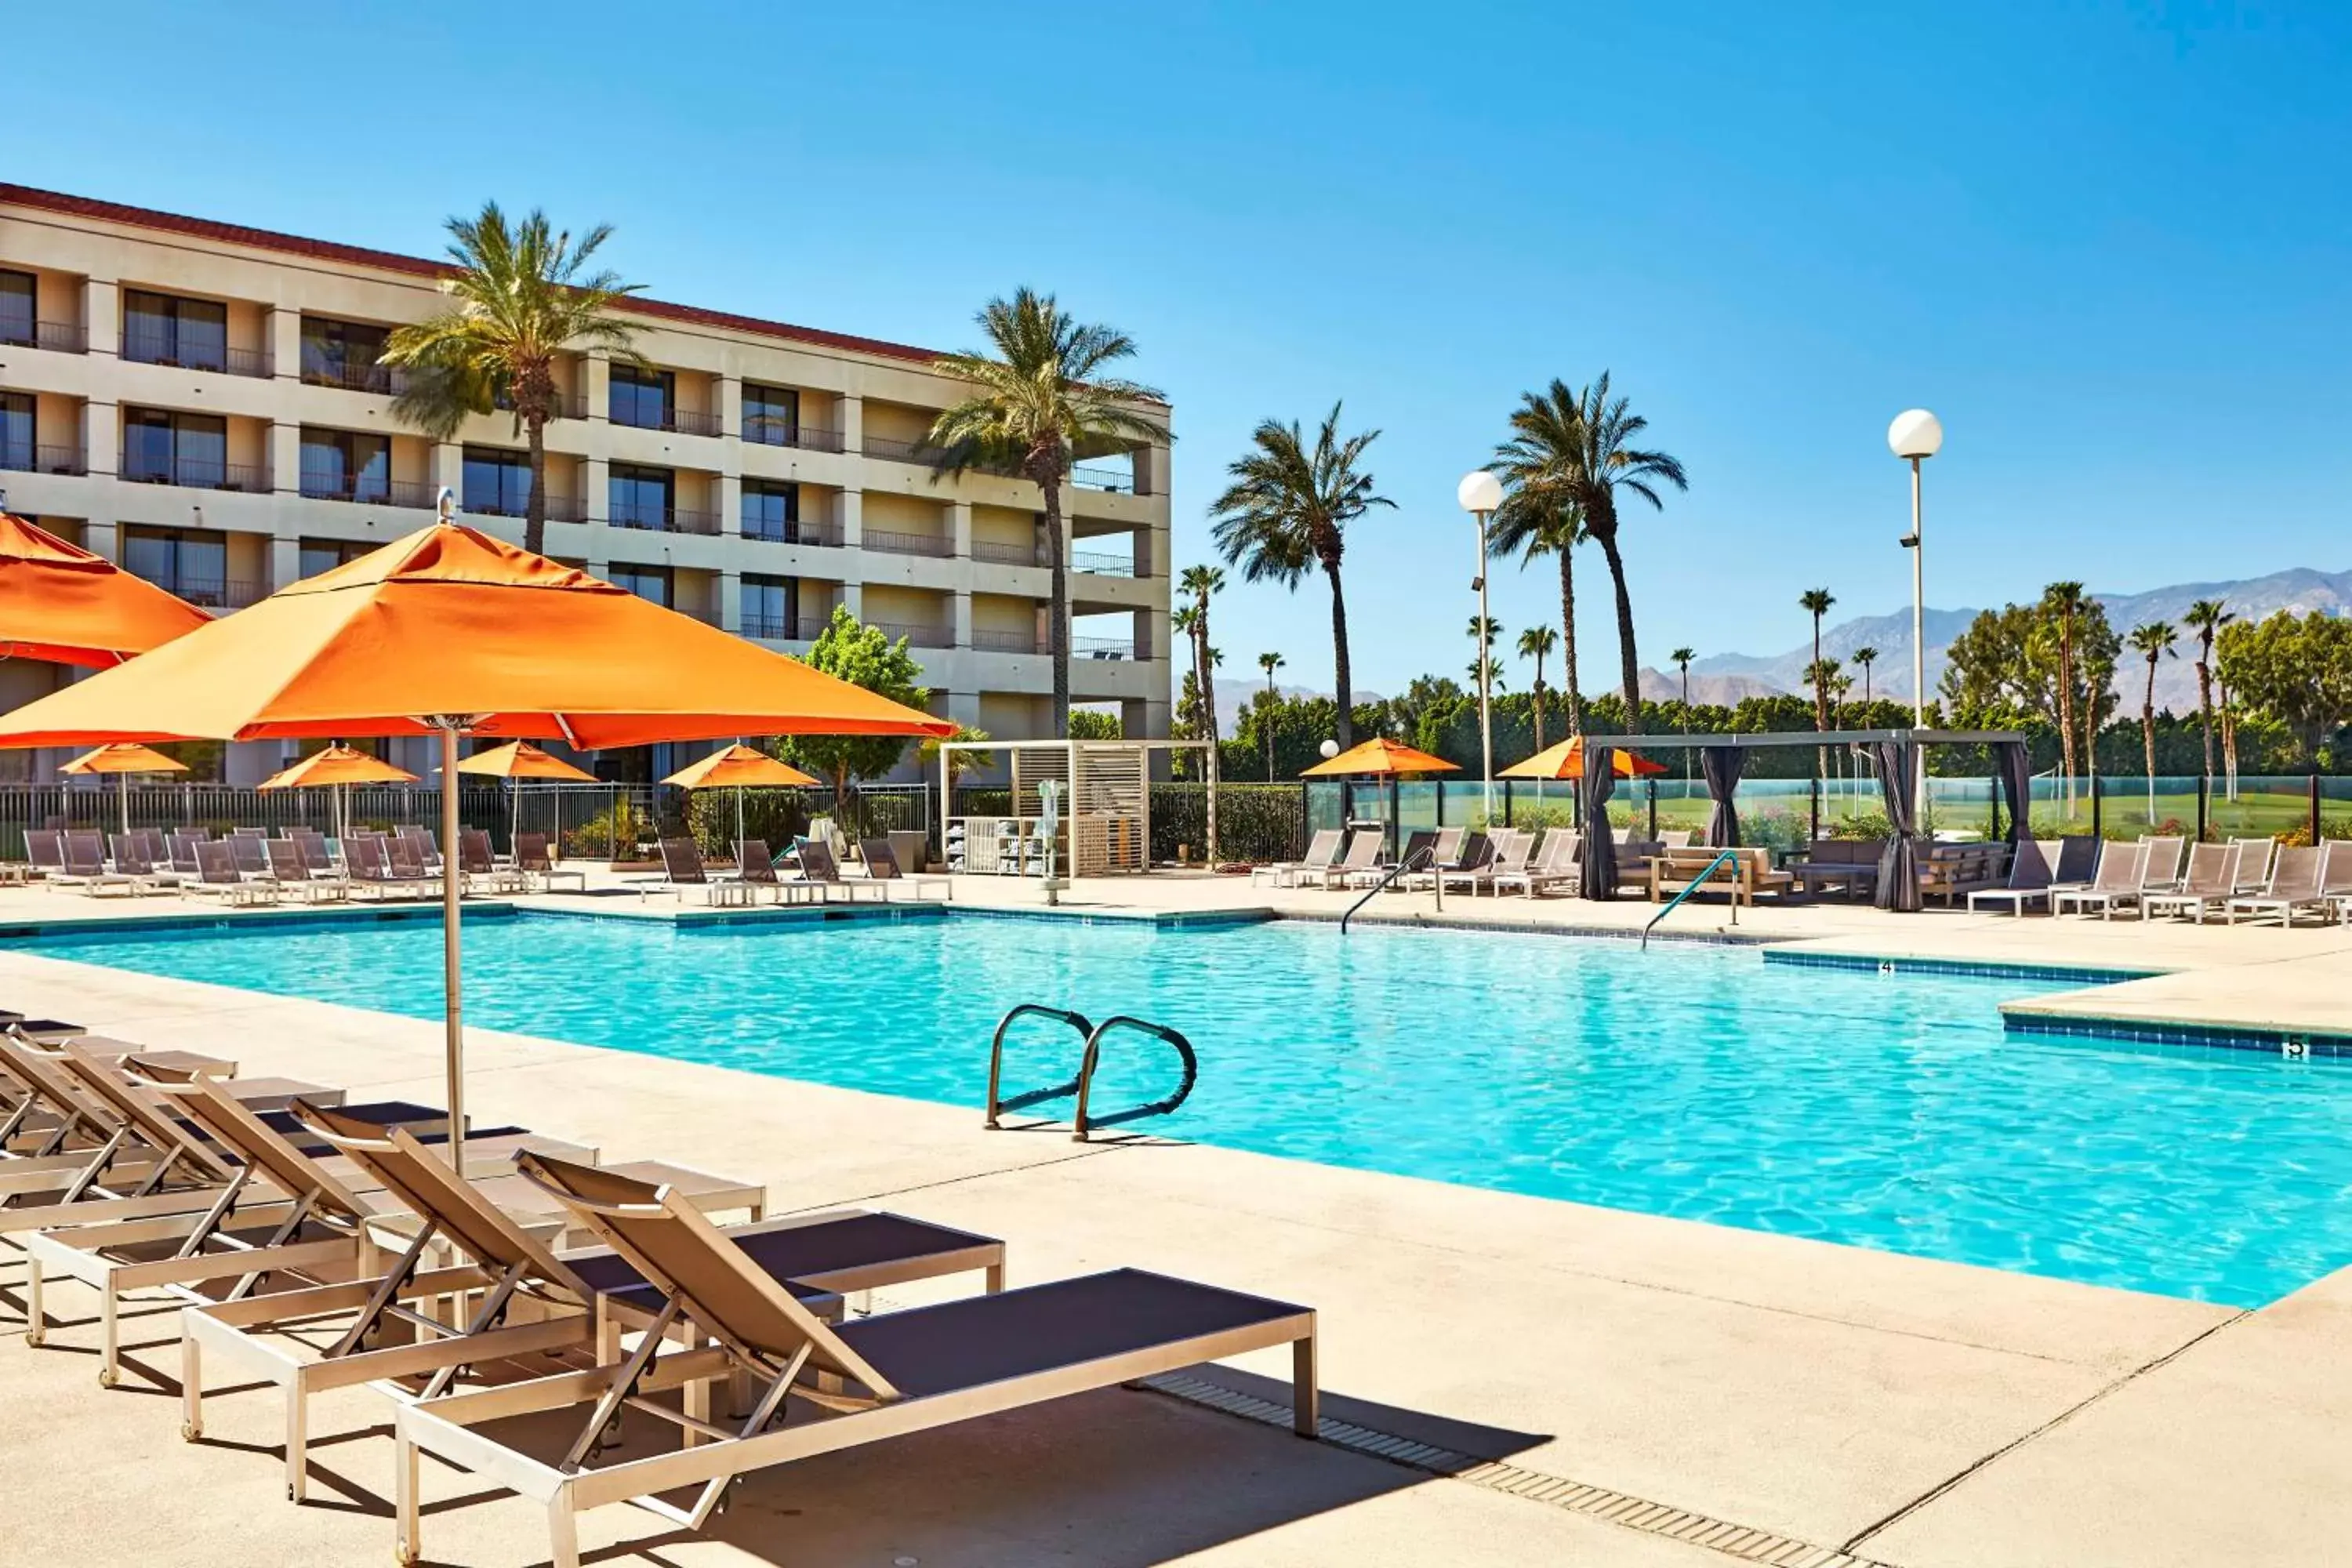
(144, 348)
(795, 532)
(1005, 554)
(358, 376)
(662, 519)
(707, 614)
(563, 406)
(216, 592)
(365, 491)
(906, 544)
(770, 431)
(1005, 642)
(784, 628)
(922, 452)
(1104, 477)
(560, 509)
(43, 460)
(58, 337)
(917, 636)
(1101, 565)
(1104, 647)
(672, 419)
(196, 474)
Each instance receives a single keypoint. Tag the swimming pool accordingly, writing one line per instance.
(1694, 1081)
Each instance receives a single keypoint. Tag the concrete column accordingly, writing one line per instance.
(100, 536)
(1152, 471)
(731, 602)
(102, 438)
(851, 415)
(963, 706)
(964, 617)
(959, 528)
(852, 522)
(729, 404)
(597, 388)
(285, 335)
(445, 469)
(730, 502)
(285, 459)
(597, 481)
(284, 562)
(101, 316)
(852, 599)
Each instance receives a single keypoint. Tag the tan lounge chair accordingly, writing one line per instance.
(2120, 868)
(1322, 850)
(2031, 871)
(2295, 888)
(478, 864)
(878, 1378)
(819, 866)
(682, 870)
(882, 865)
(2210, 884)
(217, 877)
(1554, 864)
(535, 858)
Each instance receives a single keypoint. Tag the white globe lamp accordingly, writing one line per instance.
(1915, 432)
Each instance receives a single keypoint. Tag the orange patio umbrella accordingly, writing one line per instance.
(338, 767)
(1385, 758)
(521, 759)
(740, 767)
(122, 759)
(1565, 760)
(451, 632)
(63, 604)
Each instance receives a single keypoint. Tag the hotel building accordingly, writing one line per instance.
(202, 403)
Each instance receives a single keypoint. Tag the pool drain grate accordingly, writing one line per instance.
(1599, 1502)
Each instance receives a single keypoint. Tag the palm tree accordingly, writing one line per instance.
(1816, 602)
(1536, 643)
(2206, 617)
(1270, 662)
(1186, 622)
(1535, 520)
(2066, 600)
(2152, 642)
(1040, 401)
(1574, 449)
(1481, 668)
(1682, 658)
(1288, 509)
(1866, 657)
(516, 297)
(1200, 582)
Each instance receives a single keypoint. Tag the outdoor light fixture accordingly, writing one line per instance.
(1481, 493)
(1329, 749)
(1915, 436)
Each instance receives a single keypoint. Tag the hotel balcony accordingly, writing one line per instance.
(197, 473)
(908, 543)
(676, 420)
(31, 460)
(767, 431)
(663, 519)
(364, 490)
(1093, 566)
(57, 337)
(915, 636)
(144, 348)
(784, 628)
(560, 509)
(356, 375)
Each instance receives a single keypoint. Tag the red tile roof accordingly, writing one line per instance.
(418, 266)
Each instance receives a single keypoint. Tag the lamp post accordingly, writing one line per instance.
(1916, 435)
(1480, 493)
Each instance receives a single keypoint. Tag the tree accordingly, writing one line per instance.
(2065, 602)
(863, 655)
(1538, 518)
(1682, 658)
(1481, 669)
(1187, 623)
(2296, 669)
(1574, 451)
(958, 763)
(517, 299)
(1866, 657)
(1270, 662)
(1288, 509)
(2003, 671)
(1087, 724)
(2152, 642)
(2206, 617)
(1535, 643)
(1040, 401)
(1201, 581)
(1816, 602)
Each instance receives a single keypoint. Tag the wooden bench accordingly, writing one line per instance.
(1951, 871)
(1747, 873)
(1848, 863)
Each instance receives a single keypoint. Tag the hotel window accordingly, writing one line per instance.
(164, 328)
(770, 606)
(174, 449)
(344, 354)
(340, 465)
(18, 300)
(770, 510)
(497, 483)
(641, 397)
(641, 498)
(771, 415)
(192, 565)
(15, 430)
(650, 583)
(326, 554)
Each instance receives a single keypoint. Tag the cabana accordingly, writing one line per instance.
(1103, 823)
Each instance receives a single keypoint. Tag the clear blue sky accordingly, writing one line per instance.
(2109, 244)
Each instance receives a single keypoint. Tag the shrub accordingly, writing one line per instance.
(1869, 825)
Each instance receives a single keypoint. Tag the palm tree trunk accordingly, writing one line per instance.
(1568, 641)
(1347, 721)
(2066, 715)
(1058, 644)
(1631, 670)
(534, 512)
(2205, 709)
(1538, 697)
(2147, 740)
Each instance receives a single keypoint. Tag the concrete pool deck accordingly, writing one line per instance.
(1651, 1391)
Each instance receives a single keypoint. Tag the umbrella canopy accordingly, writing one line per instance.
(449, 631)
(1566, 761)
(338, 764)
(449, 622)
(740, 767)
(122, 757)
(63, 604)
(521, 759)
(1381, 757)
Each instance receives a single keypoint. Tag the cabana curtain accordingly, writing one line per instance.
(2017, 787)
(1721, 765)
(1597, 866)
(1899, 868)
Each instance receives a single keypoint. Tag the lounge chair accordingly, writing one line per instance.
(2297, 876)
(85, 868)
(133, 860)
(2254, 857)
(2211, 883)
(2335, 875)
(572, 1305)
(2121, 867)
(476, 863)
(2033, 868)
(882, 865)
(1445, 852)
(218, 878)
(1555, 864)
(291, 872)
(183, 843)
(881, 1377)
(367, 868)
(817, 866)
(1507, 859)
(682, 869)
(1362, 854)
(755, 867)
(535, 858)
(1322, 851)
(420, 839)
(45, 852)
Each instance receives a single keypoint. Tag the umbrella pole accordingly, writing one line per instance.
(452, 1000)
(739, 823)
(122, 788)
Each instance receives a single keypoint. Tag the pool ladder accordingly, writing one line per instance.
(1693, 887)
(1089, 1058)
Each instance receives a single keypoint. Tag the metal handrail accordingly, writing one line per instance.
(998, 1106)
(1094, 1058)
(1426, 855)
(1692, 887)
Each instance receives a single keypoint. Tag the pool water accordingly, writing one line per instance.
(1699, 1082)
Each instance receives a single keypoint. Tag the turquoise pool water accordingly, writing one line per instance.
(1700, 1083)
